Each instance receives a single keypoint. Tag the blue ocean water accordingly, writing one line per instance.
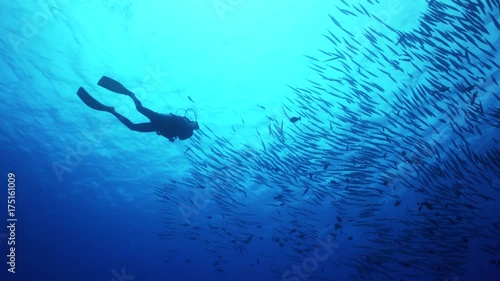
(391, 172)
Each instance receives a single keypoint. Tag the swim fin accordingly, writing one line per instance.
(91, 102)
(113, 86)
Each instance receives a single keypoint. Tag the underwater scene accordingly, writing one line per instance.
(245, 140)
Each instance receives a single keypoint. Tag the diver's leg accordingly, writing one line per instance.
(145, 111)
(113, 86)
(94, 104)
(141, 127)
(91, 102)
(117, 87)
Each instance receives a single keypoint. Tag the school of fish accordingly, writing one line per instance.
(392, 152)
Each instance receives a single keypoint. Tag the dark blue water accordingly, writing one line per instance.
(391, 172)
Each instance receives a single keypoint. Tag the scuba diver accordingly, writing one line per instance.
(168, 125)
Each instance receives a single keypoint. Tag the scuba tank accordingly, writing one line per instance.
(186, 111)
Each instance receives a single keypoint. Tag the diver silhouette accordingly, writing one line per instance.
(170, 126)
